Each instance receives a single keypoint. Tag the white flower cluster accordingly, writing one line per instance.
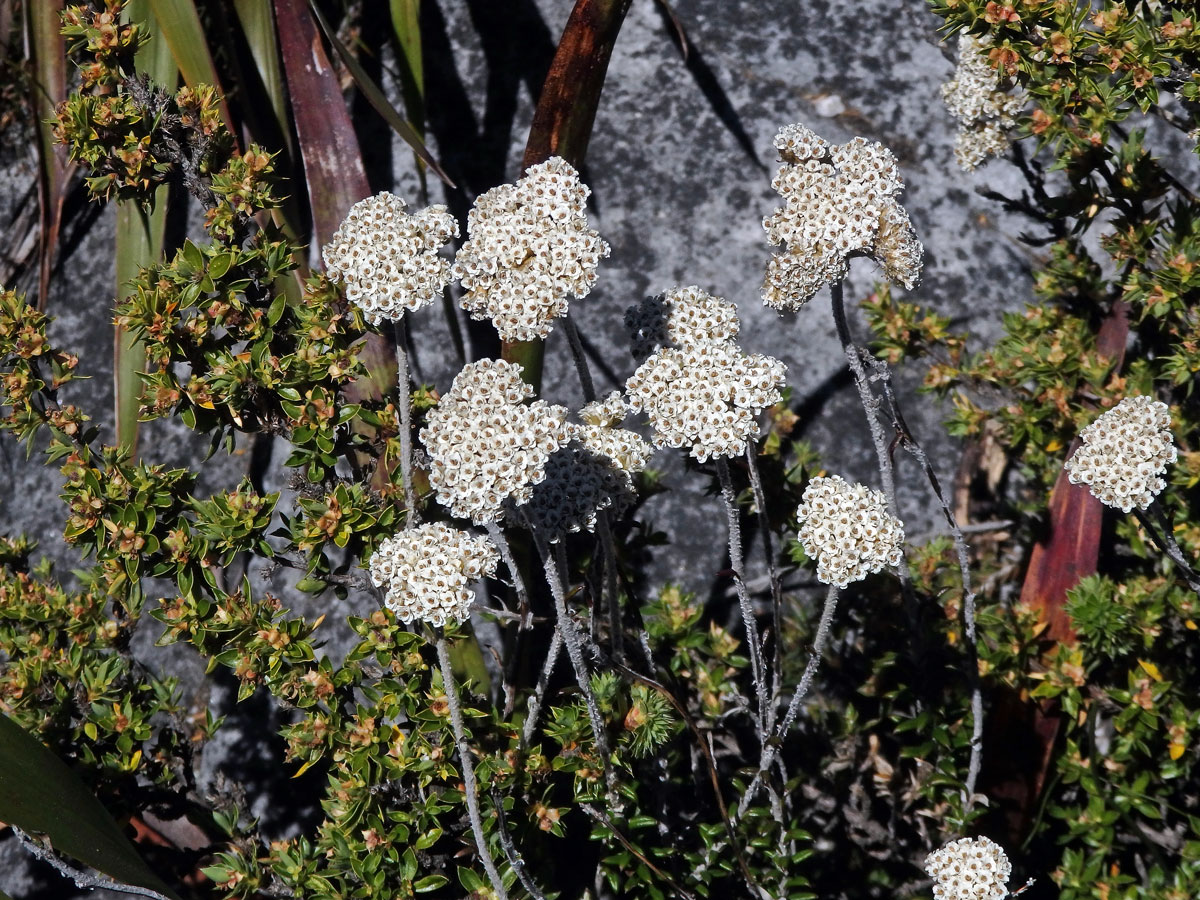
(848, 530)
(1124, 454)
(389, 259)
(969, 869)
(985, 113)
(486, 445)
(425, 572)
(529, 248)
(839, 201)
(707, 396)
(681, 317)
(591, 474)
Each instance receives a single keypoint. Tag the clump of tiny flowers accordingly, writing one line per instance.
(426, 571)
(848, 530)
(389, 259)
(529, 249)
(486, 445)
(1124, 454)
(706, 397)
(839, 201)
(680, 317)
(969, 869)
(593, 473)
(985, 113)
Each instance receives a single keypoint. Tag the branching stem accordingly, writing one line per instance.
(404, 415)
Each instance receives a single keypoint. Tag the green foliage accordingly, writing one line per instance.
(633, 773)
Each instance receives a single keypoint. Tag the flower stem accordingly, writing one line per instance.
(581, 363)
(737, 563)
(760, 501)
(810, 670)
(470, 788)
(1166, 542)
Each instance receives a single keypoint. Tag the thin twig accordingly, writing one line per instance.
(404, 409)
(82, 879)
(625, 842)
(810, 670)
(737, 563)
(470, 789)
(608, 549)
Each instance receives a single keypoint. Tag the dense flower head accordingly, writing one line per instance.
(594, 472)
(848, 530)
(839, 201)
(388, 259)
(1124, 454)
(985, 113)
(707, 396)
(529, 249)
(425, 572)
(486, 445)
(680, 317)
(969, 869)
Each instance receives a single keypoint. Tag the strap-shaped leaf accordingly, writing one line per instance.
(139, 239)
(379, 100)
(49, 85)
(39, 794)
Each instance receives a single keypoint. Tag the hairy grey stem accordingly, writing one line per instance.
(571, 637)
(581, 363)
(870, 404)
(760, 500)
(470, 788)
(1166, 542)
(810, 670)
(81, 878)
(534, 707)
(496, 533)
(404, 408)
(737, 563)
(962, 551)
(510, 850)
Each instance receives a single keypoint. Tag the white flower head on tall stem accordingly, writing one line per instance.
(529, 249)
(839, 202)
(969, 869)
(848, 530)
(706, 397)
(985, 112)
(388, 259)
(486, 444)
(1125, 453)
(426, 572)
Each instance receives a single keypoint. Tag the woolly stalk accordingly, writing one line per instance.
(496, 533)
(810, 670)
(737, 563)
(555, 575)
(964, 568)
(760, 501)
(470, 788)
(534, 707)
